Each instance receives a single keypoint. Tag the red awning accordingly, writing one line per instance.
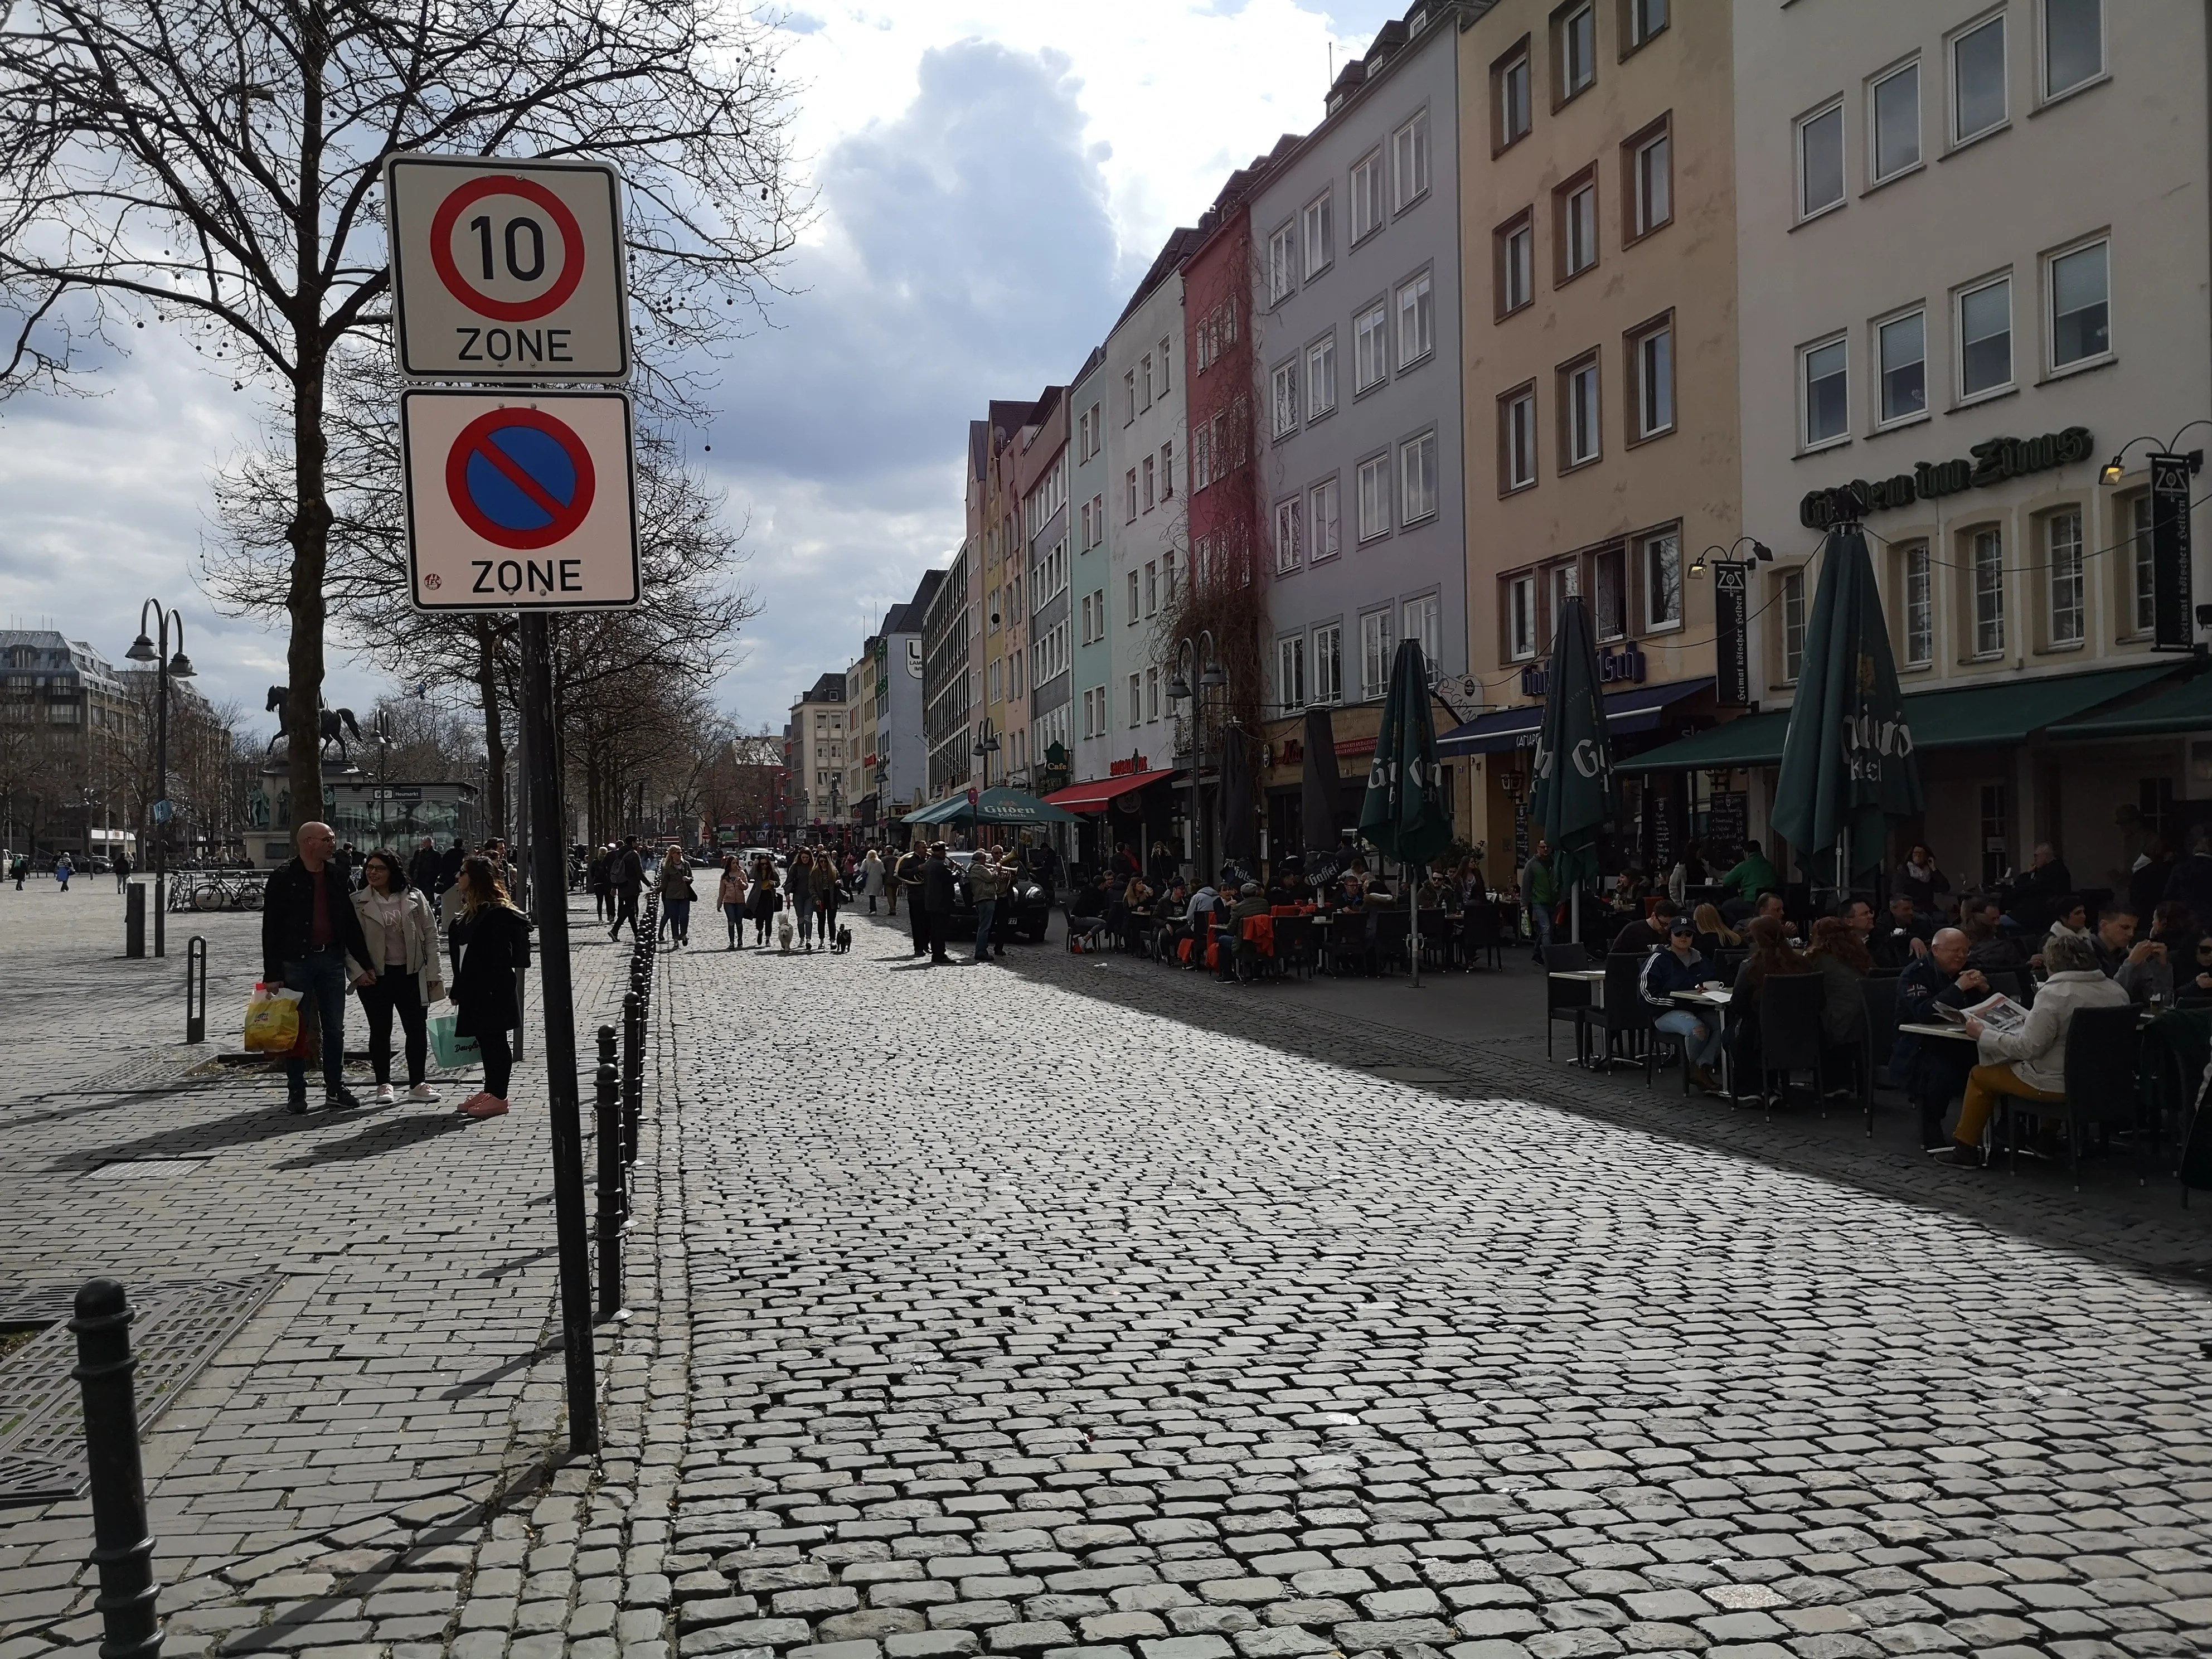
(1093, 797)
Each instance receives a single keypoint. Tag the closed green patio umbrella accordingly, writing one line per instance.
(1573, 794)
(1404, 815)
(1848, 769)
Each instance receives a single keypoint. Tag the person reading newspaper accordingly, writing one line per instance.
(2028, 1062)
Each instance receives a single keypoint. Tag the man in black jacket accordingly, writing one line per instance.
(937, 900)
(629, 883)
(1932, 1068)
(449, 866)
(308, 927)
(423, 870)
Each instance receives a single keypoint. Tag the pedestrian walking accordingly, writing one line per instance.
(872, 878)
(908, 878)
(601, 880)
(767, 899)
(449, 865)
(488, 945)
(423, 870)
(62, 871)
(309, 929)
(630, 882)
(400, 974)
(730, 896)
(122, 870)
(799, 884)
(937, 901)
(20, 868)
(677, 894)
(829, 888)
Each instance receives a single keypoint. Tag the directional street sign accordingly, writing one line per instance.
(520, 501)
(506, 269)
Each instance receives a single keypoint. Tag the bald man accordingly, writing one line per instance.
(1933, 1069)
(308, 925)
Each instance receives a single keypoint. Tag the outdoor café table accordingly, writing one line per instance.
(1956, 1033)
(1593, 977)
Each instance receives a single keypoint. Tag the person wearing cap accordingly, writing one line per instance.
(1680, 968)
(1250, 901)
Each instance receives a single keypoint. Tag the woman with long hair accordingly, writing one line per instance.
(1707, 918)
(1840, 957)
(490, 942)
(677, 894)
(403, 948)
(730, 896)
(1770, 953)
(799, 882)
(827, 892)
(766, 899)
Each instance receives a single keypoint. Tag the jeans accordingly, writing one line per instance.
(1540, 923)
(985, 909)
(735, 915)
(321, 979)
(625, 911)
(396, 991)
(678, 913)
(1702, 1050)
(805, 921)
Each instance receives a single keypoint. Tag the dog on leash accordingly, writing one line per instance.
(784, 931)
(843, 942)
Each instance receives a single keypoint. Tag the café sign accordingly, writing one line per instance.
(1993, 462)
(1623, 664)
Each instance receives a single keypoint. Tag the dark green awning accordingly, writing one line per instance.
(2001, 711)
(2184, 706)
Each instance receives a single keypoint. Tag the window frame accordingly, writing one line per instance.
(2045, 95)
(1290, 550)
(1877, 331)
(1634, 345)
(1875, 177)
(1520, 59)
(1521, 228)
(2046, 525)
(1799, 131)
(1321, 549)
(1636, 224)
(1291, 654)
(1971, 572)
(2140, 602)
(1324, 347)
(1612, 557)
(1564, 225)
(1375, 466)
(1282, 252)
(1959, 295)
(1907, 579)
(1647, 543)
(1378, 655)
(1414, 134)
(2053, 369)
(1565, 91)
(1422, 289)
(1572, 374)
(1511, 614)
(1379, 314)
(1370, 166)
(1789, 597)
(1326, 689)
(1421, 443)
(1325, 202)
(1634, 36)
(1510, 482)
(1284, 411)
(1807, 443)
(1954, 138)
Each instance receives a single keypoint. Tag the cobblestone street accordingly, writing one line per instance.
(1078, 1309)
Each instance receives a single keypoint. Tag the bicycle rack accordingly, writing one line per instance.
(196, 989)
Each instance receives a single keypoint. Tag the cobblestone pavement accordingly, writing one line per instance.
(1080, 1311)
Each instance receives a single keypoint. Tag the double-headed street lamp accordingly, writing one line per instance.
(166, 668)
(986, 745)
(1211, 676)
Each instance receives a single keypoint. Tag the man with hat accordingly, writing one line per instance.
(1680, 968)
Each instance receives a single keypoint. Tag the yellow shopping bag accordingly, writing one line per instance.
(272, 1019)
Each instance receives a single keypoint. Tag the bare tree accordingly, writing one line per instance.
(214, 164)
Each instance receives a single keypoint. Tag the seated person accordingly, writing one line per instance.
(2141, 970)
(1902, 936)
(2072, 917)
(1642, 935)
(2195, 991)
(2173, 926)
(1991, 945)
(1289, 886)
(1841, 958)
(1931, 1069)
(1137, 897)
(1435, 894)
(1680, 968)
(1250, 901)
(2030, 1064)
(1771, 954)
(1770, 905)
(1713, 933)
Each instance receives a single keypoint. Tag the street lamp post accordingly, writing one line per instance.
(1210, 677)
(986, 745)
(167, 667)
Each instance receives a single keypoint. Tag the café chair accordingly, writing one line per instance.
(2102, 1046)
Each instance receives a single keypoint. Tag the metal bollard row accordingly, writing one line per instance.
(614, 1199)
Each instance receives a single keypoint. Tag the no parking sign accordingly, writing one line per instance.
(520, 501)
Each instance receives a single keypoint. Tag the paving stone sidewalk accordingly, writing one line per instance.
(1063, 1313)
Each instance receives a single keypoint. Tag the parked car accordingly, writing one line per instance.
(1024, 913)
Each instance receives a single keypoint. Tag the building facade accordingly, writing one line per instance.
(816, 741)
(1090, 549)
(1040, 472)
(950, 639)
(69, 743)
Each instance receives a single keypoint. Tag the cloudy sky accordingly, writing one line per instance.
(990, 181)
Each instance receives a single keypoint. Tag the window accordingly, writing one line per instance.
(1609, 595)
(1578, 230)
(1151, 588)
(1129, 486)
(1516, 265)
(1919, 606)
(1985, 339)
(1136, 699)
(1164, 376)
(2081, 313)
(1416, 479)
(1374, 497)
(1651, 183)
(1086, 619)
(1318, 234)
(1409, 162)
(1144, 380)
(2073, 44)
(1284, 387)
(1281, 249)
(1366, 197)
(1511, 93)
(1098, 517)
(1902, 344)
(1978, 80)
(1651, 358)
(1897, 123)
(1661, 559)
(1986, 568)
(1129, 396)
(1645, 19)
(1151, 484)
(1821, 162)
(1133, 613)
(1827, 393)
(1370, 351)
(1288, 550)
(1323, 521)
(2062, 535)
(1516, 438)
(1328, 664)
(997, 663)
(1087, 543)
(1151, 694)
(1416, 320)
(1422, 622)
(1375, 643)
(1521, 618)
(2142, 567)
(1290, 674)
(1792, 607)
(1580, 403)
(1167, 470)
(1577, 50)
(1321, 378)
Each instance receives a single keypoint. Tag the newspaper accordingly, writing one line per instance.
(1999, 1012)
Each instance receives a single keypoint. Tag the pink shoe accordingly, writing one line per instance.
(484, 1106)
(473, 1102)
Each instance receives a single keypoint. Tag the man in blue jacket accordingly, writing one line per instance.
(1680, 968)
(1931, 1069)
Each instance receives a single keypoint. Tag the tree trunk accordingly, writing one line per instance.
(309, 533)
(494, 800)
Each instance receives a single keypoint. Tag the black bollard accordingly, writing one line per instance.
(122, 1546)
(633, 1092)
(134, 919)
(613, 1208)
(195, 988)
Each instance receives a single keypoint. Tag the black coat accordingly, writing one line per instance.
(2192, 884)
(629, 872)
(449, 867)
(423, 870)
(937, 896)
(488, 951)
(287, 917)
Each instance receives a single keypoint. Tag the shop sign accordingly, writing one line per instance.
(1129, 768)
(1993, 462)
(1621, 665)
(2169, 552)
(1732, 634)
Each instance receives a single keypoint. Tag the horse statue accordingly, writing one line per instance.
(331, 724)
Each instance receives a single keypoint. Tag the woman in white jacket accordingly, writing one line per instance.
(2030, 1064)
(402, 947)
(872, 878)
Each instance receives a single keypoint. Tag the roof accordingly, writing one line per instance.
(1168, 260)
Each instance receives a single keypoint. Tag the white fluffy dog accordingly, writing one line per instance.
(784, 930)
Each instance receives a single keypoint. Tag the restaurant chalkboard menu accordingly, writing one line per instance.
(1730, 822)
